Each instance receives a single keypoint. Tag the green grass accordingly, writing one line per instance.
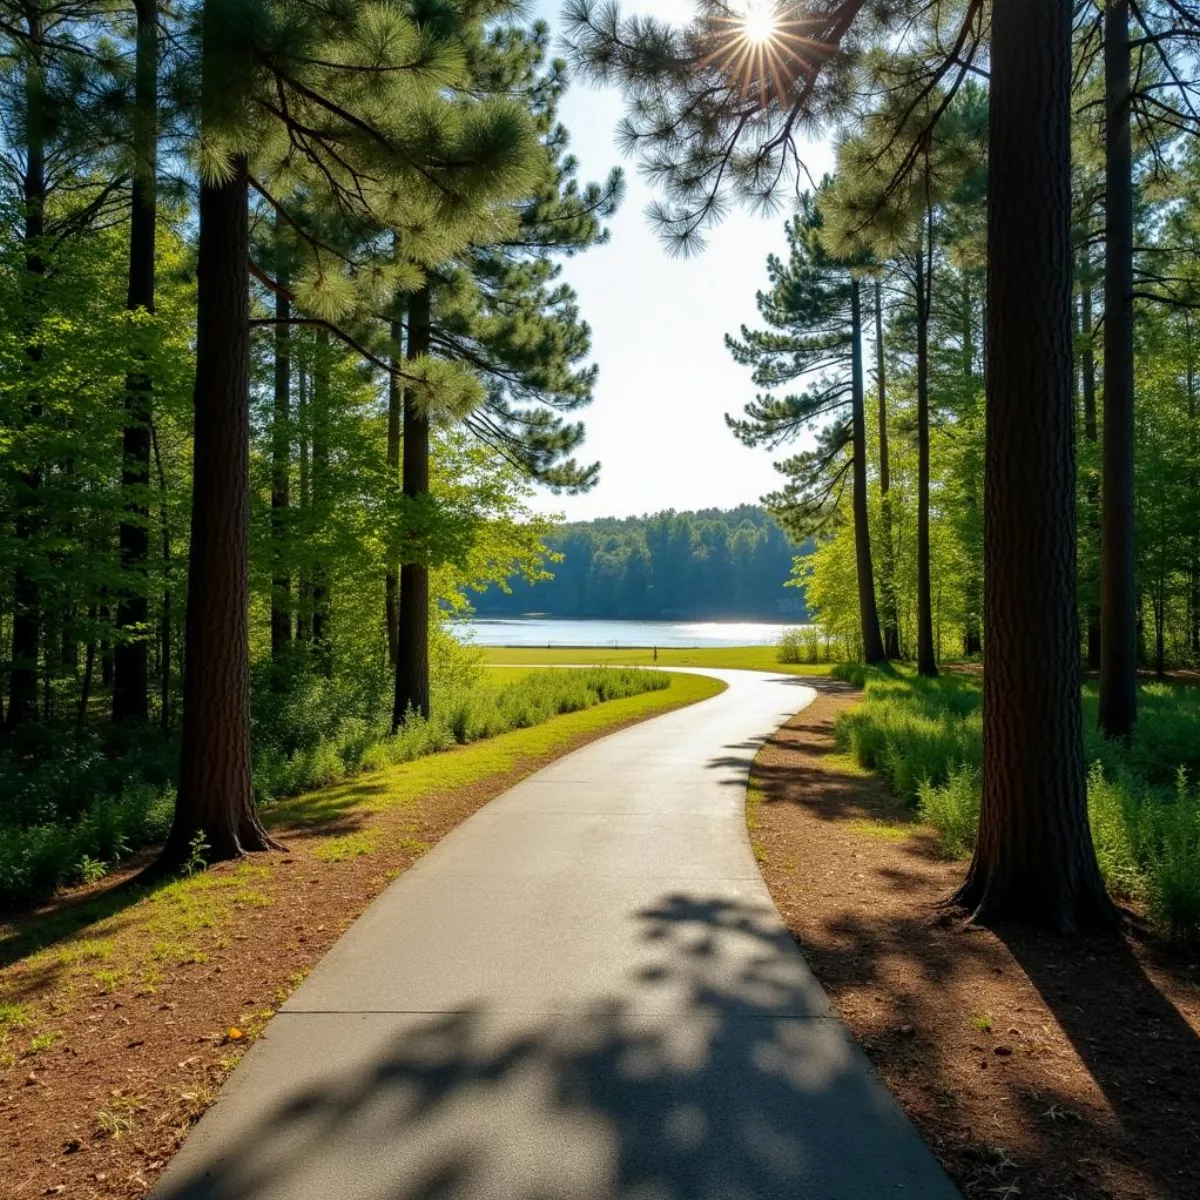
(925, 737)
(735, 658)
(134, 935)
(881, 831)
(353, 845)
(405, 784)
(299, 749)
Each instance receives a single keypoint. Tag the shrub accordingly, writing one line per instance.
(810, 644)
(925, 738)
(952, 809)
(318, 732)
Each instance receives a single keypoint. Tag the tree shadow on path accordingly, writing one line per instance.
(745, 1091)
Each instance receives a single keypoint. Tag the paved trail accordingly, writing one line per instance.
(583, 993)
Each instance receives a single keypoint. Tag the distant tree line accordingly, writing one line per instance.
(709, 564)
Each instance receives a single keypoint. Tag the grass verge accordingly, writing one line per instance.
(122, 1011)
(310, 737)
(732, 658)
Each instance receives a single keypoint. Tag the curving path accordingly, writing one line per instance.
(583, 993)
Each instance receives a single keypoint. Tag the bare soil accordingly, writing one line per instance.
(1034, 1067)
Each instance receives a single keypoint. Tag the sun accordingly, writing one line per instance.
(760, 46)
(758, 24)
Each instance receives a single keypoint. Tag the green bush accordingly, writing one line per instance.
(35, 860)
(952, 809)
(925, 738)
(810, 644)
(71, 818)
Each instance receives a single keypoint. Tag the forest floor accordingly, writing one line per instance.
(123, 1009)
(1034, 1067)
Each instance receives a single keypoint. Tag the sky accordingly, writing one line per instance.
(657, 423)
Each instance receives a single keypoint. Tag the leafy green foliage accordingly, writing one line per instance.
(317, 733)
(925, 738)
(701, 564)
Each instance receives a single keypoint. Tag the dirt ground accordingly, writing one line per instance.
(1034, 1067)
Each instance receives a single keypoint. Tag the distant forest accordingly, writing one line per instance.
(696, 565)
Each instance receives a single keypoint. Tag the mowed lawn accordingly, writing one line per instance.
(735, 658)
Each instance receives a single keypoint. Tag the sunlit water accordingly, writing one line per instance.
(545, 631)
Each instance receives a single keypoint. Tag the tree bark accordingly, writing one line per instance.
(395, 413)
(164, 522)
(926, 653)
(322, 616)
(131, 677)
(281, 467)
(89, 671)
(304, 419)
(1194, 572)
(973, 633)
(412, 662)
(873, 651)
(215, 804)
(1092, 434)
(1034, 858)
(889, 608)
(27, 622)
(1118, 620)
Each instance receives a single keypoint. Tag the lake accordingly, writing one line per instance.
(549, 631)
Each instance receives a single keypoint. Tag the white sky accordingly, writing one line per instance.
(658, 323)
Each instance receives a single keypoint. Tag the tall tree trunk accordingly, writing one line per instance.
(27, 623)
(412, 663)
(281, 468)
(395, 413)
(889, 607)
(973, 634)
(873, 651)
(1194, 589)
(215, 802)
(322, 633)
(926, 652)
(131, 677)
(1092, 434)
(1034, 858)
(107, 665)
(164, 521)
(1160, 598)
(304, 420)
(89, 671)
(1118, 621)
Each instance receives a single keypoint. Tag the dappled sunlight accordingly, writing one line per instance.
(1016, 1050)
(732, 1095)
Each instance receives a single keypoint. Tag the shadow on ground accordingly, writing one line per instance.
(734, 1096)
(1095, 1089)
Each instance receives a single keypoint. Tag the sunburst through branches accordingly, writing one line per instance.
(762, 47)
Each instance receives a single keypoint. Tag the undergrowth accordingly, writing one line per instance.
(317, 733)
(925, 738)
(809, 644)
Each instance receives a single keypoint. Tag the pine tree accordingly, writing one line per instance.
(1118, 598)
(131, 681)
(354, 106)
(888, 606)
(815, 328)
(1034, 858)
(891, 205)
(499, 311)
